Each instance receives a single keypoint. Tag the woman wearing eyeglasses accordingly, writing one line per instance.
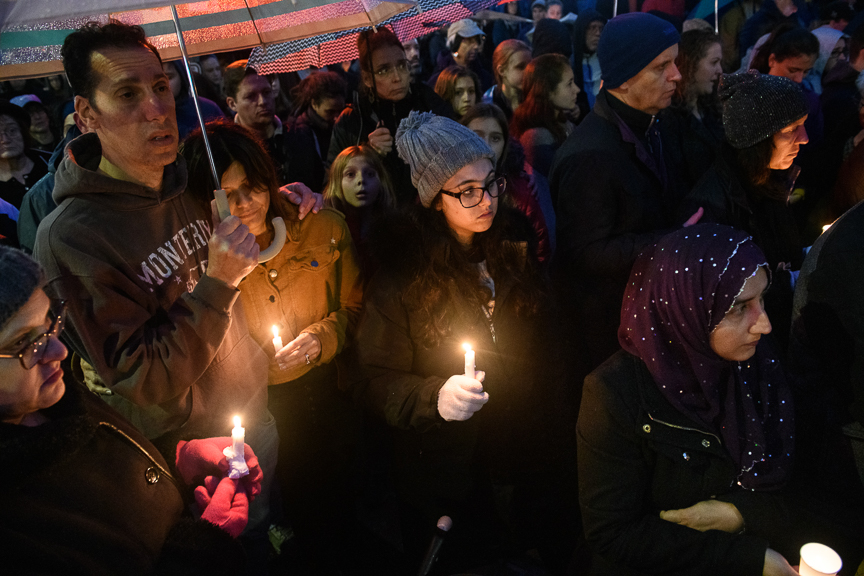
(462, 269)
(82, 491)
(386, 96)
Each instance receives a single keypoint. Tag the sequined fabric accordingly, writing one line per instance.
(679, 291)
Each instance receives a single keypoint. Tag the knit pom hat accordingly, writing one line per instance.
(20, 276)
(629, 43)
(435, 148)
(756, 106)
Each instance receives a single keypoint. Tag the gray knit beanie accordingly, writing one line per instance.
(20, 276)
(436, 148)
(756, 106)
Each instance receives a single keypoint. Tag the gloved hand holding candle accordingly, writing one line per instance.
(463, 395)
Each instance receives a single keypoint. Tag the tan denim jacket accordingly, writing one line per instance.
(313, 285)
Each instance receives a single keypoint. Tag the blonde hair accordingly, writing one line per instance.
(333, 194)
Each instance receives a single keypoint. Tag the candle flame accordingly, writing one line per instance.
(466, 347)
(236, 421)
(826, 227)
(275, 331)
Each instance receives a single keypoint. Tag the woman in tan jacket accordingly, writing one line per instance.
(311, 295)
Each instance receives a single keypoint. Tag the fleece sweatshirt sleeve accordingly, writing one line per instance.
(147, 353)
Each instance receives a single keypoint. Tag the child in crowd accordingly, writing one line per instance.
(359, 187)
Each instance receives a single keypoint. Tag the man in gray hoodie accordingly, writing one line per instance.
(149, 278)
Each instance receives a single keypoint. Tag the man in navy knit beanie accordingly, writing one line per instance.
(610, 183)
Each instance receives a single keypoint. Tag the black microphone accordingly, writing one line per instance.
(444, 525)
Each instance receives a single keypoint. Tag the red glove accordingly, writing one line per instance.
(225, 504)
(197, 459)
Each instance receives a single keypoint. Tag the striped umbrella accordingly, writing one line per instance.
(32, 31)
(333, 47)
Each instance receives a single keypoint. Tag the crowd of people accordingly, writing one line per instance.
(586, 285)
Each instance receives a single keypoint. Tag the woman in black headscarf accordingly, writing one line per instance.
(686, 436)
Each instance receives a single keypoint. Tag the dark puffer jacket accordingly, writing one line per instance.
(86, 493)
(639, 456)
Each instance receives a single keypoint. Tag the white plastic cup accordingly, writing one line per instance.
(819, 560)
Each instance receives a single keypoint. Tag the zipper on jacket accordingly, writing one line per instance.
(684, 428)
(488, 317)
(141, 450)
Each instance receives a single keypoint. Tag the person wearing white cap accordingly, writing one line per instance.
(465, 42)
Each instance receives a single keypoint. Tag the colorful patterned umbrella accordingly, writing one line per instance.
(32, 31)
(334, 47)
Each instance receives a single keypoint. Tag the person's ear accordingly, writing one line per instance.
(232, 104)
(772, 61)
(367, 78)
(87, 114)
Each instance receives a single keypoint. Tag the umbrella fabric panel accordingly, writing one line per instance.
(208, 26)
(337, 47)
(219, 25)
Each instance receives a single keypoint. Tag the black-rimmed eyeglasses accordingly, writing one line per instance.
(32, 352)
(473, 196)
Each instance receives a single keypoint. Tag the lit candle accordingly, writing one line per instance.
(819, 560)
(238, 437)
(277, 339)
(469, 360)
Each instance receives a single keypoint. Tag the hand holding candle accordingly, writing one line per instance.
(236, 453)
(277, 339)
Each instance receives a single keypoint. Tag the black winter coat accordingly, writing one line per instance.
(520, 436)
(307, 142)
(728, 199)
(639, 456)
(86, 493)
(611, 204)
(353, 126)
(690, 145)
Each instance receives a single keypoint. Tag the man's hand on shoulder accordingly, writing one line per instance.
(300, 194)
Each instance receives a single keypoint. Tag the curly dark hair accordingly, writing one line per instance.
(93, 36)
(449, 272)
(692, 49)
(317, 87)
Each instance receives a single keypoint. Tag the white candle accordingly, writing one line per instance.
(277, 339)
(469, 360)
(819, 560)
(238, 437)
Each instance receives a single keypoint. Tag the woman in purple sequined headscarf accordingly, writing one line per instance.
(686, 436)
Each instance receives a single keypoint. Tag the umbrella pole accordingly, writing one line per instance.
(614, 8)
(222, 207)
(185, 58)
(716, 16)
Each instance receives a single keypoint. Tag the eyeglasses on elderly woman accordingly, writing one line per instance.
(30, 349)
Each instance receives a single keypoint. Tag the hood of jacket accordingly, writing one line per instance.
(78, 176)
